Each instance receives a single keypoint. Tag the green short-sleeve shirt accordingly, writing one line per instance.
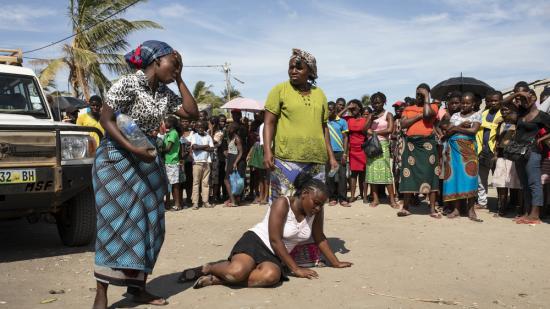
(299, 134)
(172, 155)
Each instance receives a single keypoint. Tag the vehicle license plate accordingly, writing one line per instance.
(17, 176)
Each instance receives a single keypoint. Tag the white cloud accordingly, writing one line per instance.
(288, 9)
(358, 51)
(174, 10)
(428, 19)
(23, 17)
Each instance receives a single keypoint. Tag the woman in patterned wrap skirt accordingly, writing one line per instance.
(129, 181)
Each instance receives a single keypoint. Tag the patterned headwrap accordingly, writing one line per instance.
(308, 59)
(146, 53)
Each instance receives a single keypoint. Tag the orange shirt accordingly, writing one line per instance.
(421, 127)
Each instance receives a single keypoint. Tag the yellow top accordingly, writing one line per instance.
(299, 136)
(88, 121)
(488, 125)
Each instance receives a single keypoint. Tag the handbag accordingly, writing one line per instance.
(515, 151)
(372, 146)
(307, 255)
(487, 158)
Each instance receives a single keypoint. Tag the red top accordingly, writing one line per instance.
(355, 127)
(420, 127)
(545, 150)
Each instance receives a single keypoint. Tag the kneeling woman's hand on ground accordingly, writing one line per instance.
(305, 273)
(342, 265)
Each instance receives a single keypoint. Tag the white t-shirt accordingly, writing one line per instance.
(457, 118)
(294, 232)
(201, 156)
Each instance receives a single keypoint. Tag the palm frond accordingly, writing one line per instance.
(47, 75)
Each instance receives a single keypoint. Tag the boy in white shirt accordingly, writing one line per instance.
(202, 146)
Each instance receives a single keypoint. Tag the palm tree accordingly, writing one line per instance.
(233, 93)
(203, 95)
(365, 100)
(96, 48)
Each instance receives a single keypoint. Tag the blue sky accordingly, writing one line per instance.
(361, 46)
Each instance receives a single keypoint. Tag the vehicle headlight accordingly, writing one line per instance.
(74, 147)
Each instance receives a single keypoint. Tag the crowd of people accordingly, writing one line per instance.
(297, 154)
(444, 152)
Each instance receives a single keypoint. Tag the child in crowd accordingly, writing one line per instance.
(485, 138)
(172, 160)
(185, 141)
(202, 146)
(505, 177)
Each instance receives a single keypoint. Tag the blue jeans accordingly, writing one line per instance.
(529, 176)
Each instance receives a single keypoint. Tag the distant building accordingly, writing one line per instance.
(537, 85)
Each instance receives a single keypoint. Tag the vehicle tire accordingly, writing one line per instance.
(77, 220)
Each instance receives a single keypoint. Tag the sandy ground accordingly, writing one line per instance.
(398, 263)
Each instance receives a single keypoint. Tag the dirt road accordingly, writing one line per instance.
(399, 263)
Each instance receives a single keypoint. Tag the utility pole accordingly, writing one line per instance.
(226, 71)
(226, 67)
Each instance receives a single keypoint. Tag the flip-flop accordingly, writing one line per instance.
(191, 274)
(475, 219)
(436, 215)
(529, 221)
(332, 203)
(403, 213)
(160, 301)
(344, 204)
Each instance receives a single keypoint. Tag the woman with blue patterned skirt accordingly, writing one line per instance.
(129, 181)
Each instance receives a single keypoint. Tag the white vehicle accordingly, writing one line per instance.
(45, 166)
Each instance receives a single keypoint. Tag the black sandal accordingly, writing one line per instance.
(191, 274)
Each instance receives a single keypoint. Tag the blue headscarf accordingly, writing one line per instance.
(146, 53)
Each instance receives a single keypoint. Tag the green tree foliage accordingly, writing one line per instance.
(94, 50)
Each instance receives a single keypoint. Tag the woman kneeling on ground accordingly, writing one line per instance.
(257, 259)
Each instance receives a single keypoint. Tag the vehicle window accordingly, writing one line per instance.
(20, 95)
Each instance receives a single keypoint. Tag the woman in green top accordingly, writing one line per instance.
(172, 160)
(296, 127)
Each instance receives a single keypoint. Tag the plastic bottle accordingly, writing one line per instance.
(332, 173)
(133, 133)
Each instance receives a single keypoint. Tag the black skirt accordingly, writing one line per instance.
(253, 246)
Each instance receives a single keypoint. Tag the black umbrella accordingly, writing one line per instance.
(64, 102)
(462, 84)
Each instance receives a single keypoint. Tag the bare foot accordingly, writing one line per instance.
(403, 213)
(473, 216)
(374, 204)
(454, 214)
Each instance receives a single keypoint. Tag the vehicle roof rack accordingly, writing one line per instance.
(11, 56)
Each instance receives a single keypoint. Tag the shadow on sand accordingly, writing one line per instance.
(24, 241)
(338, 245)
